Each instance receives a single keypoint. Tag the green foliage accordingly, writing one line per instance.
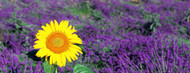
(18, 23)
(49, 68)
(84, 10)
(79, 26)
(81, 69)
(1, 71)
(21, 57)
(108, 48)
(96, 14)
(26, 43)
(185, 41)
(155, 21)
(152, 21)
(182, 29)
(180, 41)
(145, 13)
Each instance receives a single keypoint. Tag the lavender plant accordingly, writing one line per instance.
(122, 36)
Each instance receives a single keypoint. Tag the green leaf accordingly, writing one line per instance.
(151, 26)
(154, 29)
(49, 68)
(1, 71)
(24, 24)
(32, 55)
(81, 69)
(97, 14)
(85, 8)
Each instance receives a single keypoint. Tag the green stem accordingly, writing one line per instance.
(56, 69)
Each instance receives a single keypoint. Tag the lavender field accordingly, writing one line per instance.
(118, 36)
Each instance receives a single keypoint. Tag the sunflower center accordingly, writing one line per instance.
(57, 42)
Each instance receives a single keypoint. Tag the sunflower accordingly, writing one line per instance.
(57, 41)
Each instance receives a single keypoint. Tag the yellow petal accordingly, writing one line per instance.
(54, 58)
(79, 51)
(73, 30)
(52, 26)
(69, 28)
(41, 53)
(76, 41)
(40, 42)
(68, 56)
(63, 25)
(49, 53)
(74, 37)
(41, 38)
(63, 60)
(74, 51)
(42, 33)
(56, 25)
(39, 46)
(75, 47)
(46, 58)
(51, 60)
(47, 29)
(58, 59)
(44, 28)
(73, 55)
